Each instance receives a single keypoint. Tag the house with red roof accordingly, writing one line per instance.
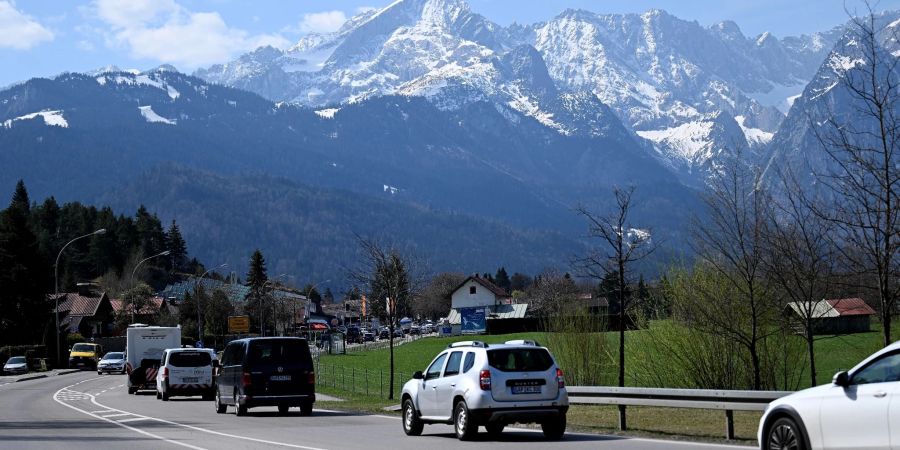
(86, 313)
(835, 316)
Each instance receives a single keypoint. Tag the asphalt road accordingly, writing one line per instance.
(84, 411)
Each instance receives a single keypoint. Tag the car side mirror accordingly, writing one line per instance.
(418, 375)
(841, 379)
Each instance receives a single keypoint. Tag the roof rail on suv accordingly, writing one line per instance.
(468, 344)
(523, 342)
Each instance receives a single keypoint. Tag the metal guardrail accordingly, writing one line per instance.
(728, 401)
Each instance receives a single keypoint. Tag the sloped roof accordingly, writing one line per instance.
(76, 304)
(832, 308)
(152, 307)
(851, 307)
(493, 288)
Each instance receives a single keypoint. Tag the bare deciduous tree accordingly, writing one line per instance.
(731, 241)
(865, 168)
(621, 245)
(388, 276)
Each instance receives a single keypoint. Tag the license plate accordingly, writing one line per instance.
(280, 378)
(191, 379)
(526, 389)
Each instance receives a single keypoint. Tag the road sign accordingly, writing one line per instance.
(239, 324)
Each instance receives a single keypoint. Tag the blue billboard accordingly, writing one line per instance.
(472, 320)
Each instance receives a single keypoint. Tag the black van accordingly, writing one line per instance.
(276, 371)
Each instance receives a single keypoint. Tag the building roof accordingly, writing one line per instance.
(493, 288)
(851, 307)
(833, 308)
(516, 311)
(76, 304)
(153, 306)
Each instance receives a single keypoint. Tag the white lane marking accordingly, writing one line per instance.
(136, 430)
(133, 419)
(103, 411)
(191, 427)
(116, 415)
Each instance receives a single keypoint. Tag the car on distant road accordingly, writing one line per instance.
(276, 371)
(354, 336)
(471, 384)
(860, 408)
(398, 333)
(85, 355)
(385, 333)
(112, 362)
(15, 365)
(368, 336)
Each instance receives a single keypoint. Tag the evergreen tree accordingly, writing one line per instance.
(519, 282)
(256, 281)
(24, 292)
(150, 232)
(177, 247)
(312, 293)
(502, 279)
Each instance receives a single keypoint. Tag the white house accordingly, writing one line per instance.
(478, 293)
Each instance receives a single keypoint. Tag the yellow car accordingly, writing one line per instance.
(85, 355)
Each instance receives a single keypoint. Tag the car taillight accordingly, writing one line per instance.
(312, 378)
(165, 372)
(560, 379)
(246, 379)
(485, 380)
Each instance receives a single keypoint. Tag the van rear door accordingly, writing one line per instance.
(521, 374)
(190, 368)
(280, 366)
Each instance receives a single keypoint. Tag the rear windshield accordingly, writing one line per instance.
(114, 355)
(520, 359)
(189, 359)
(82, 348)
(279, 351)
(16, 360)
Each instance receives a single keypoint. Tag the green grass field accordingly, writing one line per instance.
(361, 379)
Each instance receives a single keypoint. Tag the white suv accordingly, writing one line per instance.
(472, 384)
(185, 371)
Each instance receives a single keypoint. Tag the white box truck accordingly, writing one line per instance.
(143, 350)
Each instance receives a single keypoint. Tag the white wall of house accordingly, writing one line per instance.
(463, 298)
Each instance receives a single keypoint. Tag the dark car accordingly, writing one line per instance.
(354, 335)
(384, 333)
(275, 371)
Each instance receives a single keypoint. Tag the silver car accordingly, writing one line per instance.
(471, 384)
(111, 362)
(15, 365)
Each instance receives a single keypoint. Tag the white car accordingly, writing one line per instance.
(856, 410)
(185, 372)
(472, 384)
(112, 362)
(15, 365)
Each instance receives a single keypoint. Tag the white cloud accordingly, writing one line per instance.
(166, 31)
(322, 22)
(19, 31)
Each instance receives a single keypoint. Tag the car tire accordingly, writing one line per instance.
(132, 391)
(283, 409)
(554, 429)
(494, 429)
(99, 373)
(240, 410)
(412, 425)
(466, 428)
(158, 395)
(306, 409)
(784, 433)
(220, 407)
(165, 394)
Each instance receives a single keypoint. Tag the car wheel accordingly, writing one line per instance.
(158, 395)
(465, 426)
(785, 434)
(132, 390)
(165, 394)
(99, 373)
(412, 425)
(554, 429)
(494, 429)
(220, 407)
(306, 409)
(240, 410)
(283, 409)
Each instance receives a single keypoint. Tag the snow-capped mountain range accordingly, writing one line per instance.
(691, 92)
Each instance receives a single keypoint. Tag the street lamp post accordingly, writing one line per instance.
(56, 288)
(165, 253)
(197, 295)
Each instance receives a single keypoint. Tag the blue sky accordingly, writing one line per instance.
(47, 37)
